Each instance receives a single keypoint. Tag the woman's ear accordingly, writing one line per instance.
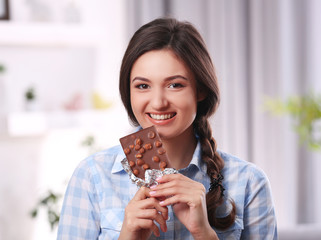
(201, 95)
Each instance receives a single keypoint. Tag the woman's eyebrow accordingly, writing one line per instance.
(175, 77)
(170, 78)
(141, 79)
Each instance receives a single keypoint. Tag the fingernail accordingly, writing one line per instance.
(159, 178)
(161, 203)
(152, 193)
(153, 187)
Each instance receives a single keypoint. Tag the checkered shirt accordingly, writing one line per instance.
(100, 189)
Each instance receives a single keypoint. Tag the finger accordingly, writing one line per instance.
(177, 185)
(148, 224)
(137, 208)
(163, 210)
(152, 203)
(164, 178)
(156, 230)
(141, 194)
(171, 177)
(167, 192)
(191, 200)
(163, 193)
(173, 200)
(147, 213)
(161, 221)
(171, 180)
(154, 215)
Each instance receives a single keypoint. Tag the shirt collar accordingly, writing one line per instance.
(197, 159)
(118, 167)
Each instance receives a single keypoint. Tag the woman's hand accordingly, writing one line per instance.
(188, 199)
(140, 214)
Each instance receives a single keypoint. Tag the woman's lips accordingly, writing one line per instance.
(162, 116)
(161, 119)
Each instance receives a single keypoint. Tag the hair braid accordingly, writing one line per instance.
(215, 164)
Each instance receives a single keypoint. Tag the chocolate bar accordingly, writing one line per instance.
(144, 150)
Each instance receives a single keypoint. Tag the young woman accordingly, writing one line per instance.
(167, 79)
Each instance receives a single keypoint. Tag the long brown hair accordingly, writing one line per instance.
(186, 42)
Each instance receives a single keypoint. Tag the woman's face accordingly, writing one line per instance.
(163, 93)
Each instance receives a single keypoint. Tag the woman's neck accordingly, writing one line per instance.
(180, 150)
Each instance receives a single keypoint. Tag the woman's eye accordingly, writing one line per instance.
(175, 85)
(142, 86)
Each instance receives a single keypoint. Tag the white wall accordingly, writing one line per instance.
(57, 67)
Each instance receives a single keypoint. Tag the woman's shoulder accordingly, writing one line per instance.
(109, 153)
(240, 168)
(107, 159)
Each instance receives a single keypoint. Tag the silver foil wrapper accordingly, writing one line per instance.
(150, 175)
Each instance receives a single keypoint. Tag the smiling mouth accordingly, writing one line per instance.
(162, 116)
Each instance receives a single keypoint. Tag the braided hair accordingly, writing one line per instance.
(186, 42)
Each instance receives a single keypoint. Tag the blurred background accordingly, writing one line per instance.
(59, 101)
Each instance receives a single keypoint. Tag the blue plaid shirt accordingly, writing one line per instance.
(100, 189)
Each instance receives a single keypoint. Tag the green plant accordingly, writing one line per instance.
(2, 68)
(306, 112)
(30, 94)
(50, 203)
(90, 143)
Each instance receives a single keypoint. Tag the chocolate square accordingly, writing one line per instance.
(144, 150)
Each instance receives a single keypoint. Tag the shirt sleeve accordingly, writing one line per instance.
(80, 217)
(259, 216)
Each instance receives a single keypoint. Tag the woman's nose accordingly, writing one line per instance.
(159, 100)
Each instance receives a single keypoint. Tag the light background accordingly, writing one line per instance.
(64, 47)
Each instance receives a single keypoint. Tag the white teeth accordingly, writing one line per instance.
(161, 116)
